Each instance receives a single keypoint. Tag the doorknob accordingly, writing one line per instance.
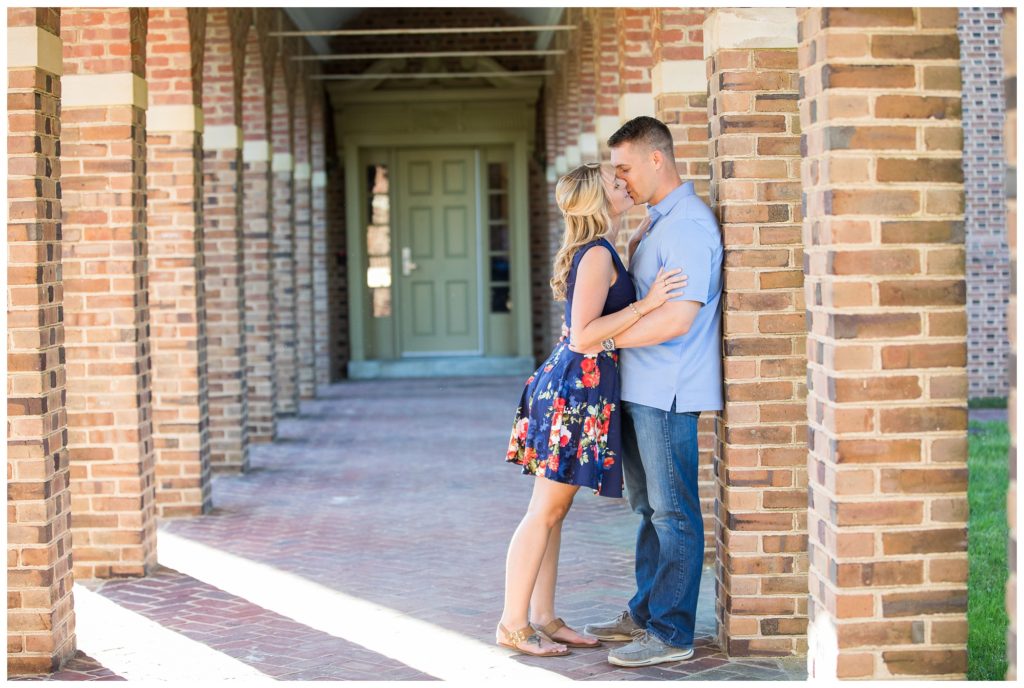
(407, 265)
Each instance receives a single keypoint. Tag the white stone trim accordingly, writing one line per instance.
(32, 46)
(223, 137)
(679, 76)
(550, 174)
(589, 149)
(302, 171)
(256, 151)
(98, 90)
(282, 162)
(746, 28)
(174, 118)
(606, 126)
(319, 180)
(561, 165)
(634, 105)
(572, 156)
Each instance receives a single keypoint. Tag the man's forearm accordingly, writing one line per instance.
(656, 327)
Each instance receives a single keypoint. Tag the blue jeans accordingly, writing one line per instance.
(660, 467)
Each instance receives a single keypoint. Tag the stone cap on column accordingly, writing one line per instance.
(634, 105)
(174, 118)
(679, 76)
(749, 28)
(99, 90)
(33, 46)
(282, 162)
(223, 137)
(302, 171)
(606, 126)
(256, 151)
(319, 180)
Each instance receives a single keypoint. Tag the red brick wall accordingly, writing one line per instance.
(106, 294)
(988, 266)
(40, 618)
(259, 277)
(282, 242)
(224, 253)
(887, 378)
(761, 450)
(303, 246)
(176, 264)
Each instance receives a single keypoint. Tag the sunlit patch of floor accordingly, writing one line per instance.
(421, 645)
(138, 649)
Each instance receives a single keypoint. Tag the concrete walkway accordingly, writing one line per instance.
(368, 543)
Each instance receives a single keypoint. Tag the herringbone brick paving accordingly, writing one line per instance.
(397, 493)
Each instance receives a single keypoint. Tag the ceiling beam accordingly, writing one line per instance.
(428, 75)
(439, 30)
(453, 53)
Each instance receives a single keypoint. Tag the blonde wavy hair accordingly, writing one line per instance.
(581, 197)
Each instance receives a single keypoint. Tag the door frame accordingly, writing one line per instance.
(396, 258)
(353, 148)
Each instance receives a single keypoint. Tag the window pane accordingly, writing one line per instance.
(499, 238)
(378, 240)
(501, 300)
(499, 207)
(497, 177)
(499, 269)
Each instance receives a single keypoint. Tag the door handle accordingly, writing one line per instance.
(407, 265)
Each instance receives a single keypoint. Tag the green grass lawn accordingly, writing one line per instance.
(987, 533)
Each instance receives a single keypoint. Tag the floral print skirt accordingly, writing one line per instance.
(568, 424)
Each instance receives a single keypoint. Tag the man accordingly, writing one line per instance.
(671, 371)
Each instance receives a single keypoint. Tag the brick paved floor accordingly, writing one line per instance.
(397, 493)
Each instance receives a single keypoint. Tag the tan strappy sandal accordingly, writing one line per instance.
(549, 630)
(526, 636)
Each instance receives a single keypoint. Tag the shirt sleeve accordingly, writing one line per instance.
(689, 247)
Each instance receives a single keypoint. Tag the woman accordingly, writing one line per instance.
(566, 430)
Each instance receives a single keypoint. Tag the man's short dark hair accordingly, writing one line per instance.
(649, 131)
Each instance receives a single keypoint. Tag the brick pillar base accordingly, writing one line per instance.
(40, 618)
(887, 382)
(760, 467)
(109, 398)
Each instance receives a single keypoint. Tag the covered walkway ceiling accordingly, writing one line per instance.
(323, 18)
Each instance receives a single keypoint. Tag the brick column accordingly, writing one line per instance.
(679, 87)
(224, 253)
(760, 465)
(635, 62)
(303, 247)
(103, 154)
(261, 383)
(570, 69)
(177, 305)
(887, 382)
(282, 244)
(606, 69)
(988, 258)
(589, 149)
(320, 228)
(1010, 150)
(40, 615)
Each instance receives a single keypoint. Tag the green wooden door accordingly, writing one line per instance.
(437, 271)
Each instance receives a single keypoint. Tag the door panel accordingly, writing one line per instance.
(438, 254)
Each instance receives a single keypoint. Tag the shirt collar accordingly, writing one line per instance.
(665, 206)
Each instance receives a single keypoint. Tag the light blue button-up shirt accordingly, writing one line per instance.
(684, 233)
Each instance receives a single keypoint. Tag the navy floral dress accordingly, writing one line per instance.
(567, 426)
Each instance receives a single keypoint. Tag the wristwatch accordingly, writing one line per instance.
(608, 344)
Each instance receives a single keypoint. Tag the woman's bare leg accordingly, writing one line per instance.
(549, 504)
(542, 603)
